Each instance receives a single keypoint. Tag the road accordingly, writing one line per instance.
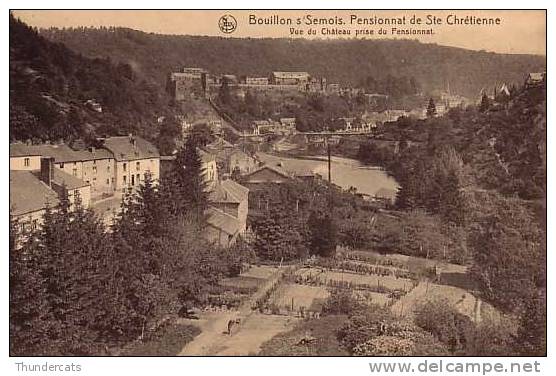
(247, 337)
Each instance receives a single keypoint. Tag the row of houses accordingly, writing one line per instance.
(119, 163)
(284, 126)
(194, 81)
(41, 174)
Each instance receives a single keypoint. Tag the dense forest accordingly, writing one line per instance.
(347, 62)
(478, 177)
(56, 94)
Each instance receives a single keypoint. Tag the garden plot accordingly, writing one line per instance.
(263, 272)
(242, 283)
(331, 278)
(462, 300)
(310, 298)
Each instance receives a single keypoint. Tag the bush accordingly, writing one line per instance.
(364, 326)
(379, 333)
(445, 323)
(341, 302)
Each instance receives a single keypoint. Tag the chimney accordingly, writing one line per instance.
(47, 170)
(132, 140)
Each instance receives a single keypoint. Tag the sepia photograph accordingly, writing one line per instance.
(293, 183)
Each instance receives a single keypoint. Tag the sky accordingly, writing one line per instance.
(518, 32)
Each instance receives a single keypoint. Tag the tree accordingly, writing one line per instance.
(277, 237)
(506, 264)
(74, 244)
(452, 205)
(531, 336)
(169, 131)
(200, 135)
(405, 197)
(322, 232)
(224, 95)
(485, 103)
(29, 314)
(187, 186)
(431, 109)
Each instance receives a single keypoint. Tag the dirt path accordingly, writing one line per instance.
(213, 327)
(246, 338)
(255, 330)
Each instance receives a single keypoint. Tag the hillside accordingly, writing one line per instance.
(50, 86)
(503, 146)
(346, 61)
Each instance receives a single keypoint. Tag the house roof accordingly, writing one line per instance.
(29, 194)
(222, 221)
(60, 153)
(206, 157)
(219, 143)
(123, 149)
(228, 191)
(275, 169)
(225, 154)
(69, 181)
(97, 154)
(304, 173)
(22, 150)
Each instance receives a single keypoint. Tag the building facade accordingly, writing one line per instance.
(134, 159)
(227, 214)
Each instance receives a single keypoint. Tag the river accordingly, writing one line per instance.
(346, 173)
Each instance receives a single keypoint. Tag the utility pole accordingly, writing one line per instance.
(329, 162)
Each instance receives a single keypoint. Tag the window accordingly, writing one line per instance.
(107, 181)
(138, 166)
(108, 168)
(125, 179)
(138, 177)
(94, 169)
(132, 179)
(34, 224)
(61, 165)
(26, 162)
(125, 167)
(75, 171)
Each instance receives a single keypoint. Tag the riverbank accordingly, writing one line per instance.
(346, 172)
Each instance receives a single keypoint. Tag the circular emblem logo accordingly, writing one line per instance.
(227, 23)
